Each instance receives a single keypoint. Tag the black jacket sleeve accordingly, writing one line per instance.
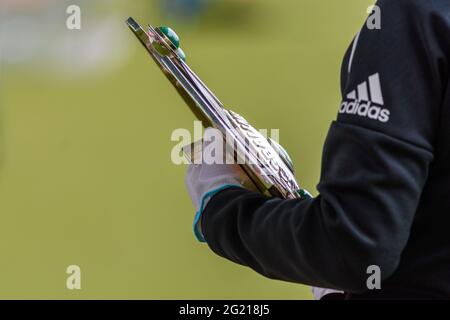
(375, 163)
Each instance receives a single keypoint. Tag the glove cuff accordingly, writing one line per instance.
(198, 215)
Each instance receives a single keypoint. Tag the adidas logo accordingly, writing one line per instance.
(360, 104)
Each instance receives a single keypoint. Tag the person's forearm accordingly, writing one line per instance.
(362, 217)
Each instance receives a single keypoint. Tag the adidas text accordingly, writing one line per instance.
(365, 109)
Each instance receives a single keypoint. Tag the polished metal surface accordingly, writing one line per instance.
(267, 164)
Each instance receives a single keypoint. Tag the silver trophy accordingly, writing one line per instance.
(265, 162)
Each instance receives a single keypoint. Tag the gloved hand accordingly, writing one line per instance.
(203, 181)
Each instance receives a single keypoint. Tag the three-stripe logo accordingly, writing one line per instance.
(366, 101)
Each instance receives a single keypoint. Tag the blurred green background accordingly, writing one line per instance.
(85, 125)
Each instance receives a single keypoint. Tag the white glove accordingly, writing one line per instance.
(203, 178)
(204, 181)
